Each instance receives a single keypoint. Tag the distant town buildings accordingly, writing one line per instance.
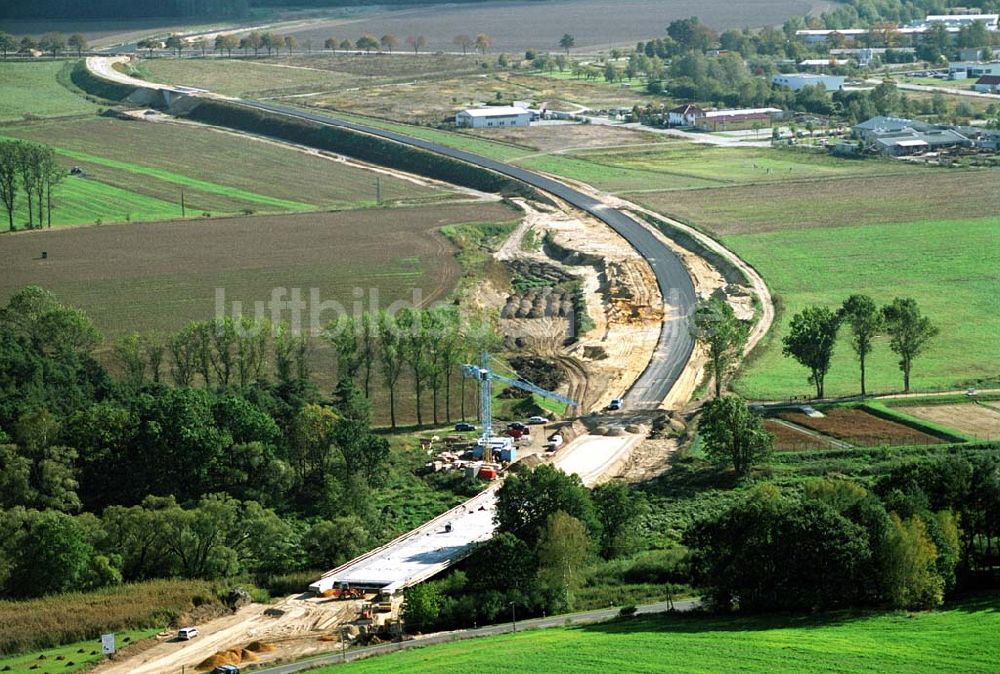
(952, 23)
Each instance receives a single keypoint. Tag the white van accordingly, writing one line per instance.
(187, 633)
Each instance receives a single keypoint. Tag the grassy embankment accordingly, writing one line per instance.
(959, 638)
(80, 616)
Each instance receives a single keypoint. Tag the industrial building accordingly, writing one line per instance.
(960, 70)
(988, 84)
(493, 117)
(692, 115)
(797, 81)
(897, 136)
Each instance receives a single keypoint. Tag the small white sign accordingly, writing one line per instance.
(108, 643)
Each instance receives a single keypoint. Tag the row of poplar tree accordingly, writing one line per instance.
(28, 171)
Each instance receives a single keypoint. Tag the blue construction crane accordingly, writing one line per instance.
(486, 377)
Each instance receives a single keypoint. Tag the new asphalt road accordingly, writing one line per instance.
(444, 637)
(675, 343)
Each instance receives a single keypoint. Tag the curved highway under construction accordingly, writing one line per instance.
(675, 344)
(437, 544)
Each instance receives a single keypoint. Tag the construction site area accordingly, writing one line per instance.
(582, 313)
(596, 367)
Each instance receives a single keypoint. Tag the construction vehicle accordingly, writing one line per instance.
(343, 592)
(486, 377)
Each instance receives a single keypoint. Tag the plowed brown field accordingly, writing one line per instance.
(790, 440)
(160, 276)
(861, 428)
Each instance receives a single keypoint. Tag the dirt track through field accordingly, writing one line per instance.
(295, 624)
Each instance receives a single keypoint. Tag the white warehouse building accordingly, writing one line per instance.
(493, 116)
(796, 81)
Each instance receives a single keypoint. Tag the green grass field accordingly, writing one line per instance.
(32, 88)
(242, 77)
(816, 242)
(951, 273)
(959, 638)
(69, 658)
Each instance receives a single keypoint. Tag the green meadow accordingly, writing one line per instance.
(948, 266)
(959, 638)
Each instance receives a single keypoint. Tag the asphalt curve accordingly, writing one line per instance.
(675, 344)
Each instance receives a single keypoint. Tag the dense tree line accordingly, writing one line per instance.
(240, 466)
(920, 532)
(53, 43)
(28, 173)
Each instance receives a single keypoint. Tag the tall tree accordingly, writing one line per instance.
(563, 549)
(291, 43)
(391, 358)
(52, 43)
(416, 351)
(734, 435)
(9, 173)
(567, 42)
(483, 42)
(7, 43)
(342, 334)
(389, 42)
(463, 41)
(812, 335)
(367, 42)
(77, 42)
(909, 332)
(715, 325)
(865, 320)
(176, 43)
(416, 42)
(527, 499)
(620, 512)
(52, 175)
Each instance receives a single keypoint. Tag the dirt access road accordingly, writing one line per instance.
(293, 625)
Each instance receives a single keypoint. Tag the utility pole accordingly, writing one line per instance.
(343, 645)
(378, 190)
(513, 617)
(183, 212)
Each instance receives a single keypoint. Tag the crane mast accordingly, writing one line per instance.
(485, 376)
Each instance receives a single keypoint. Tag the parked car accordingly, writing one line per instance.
(226, 669)
(523, 429)
(615, 404)
(187, 633)
(464, 426)
(538, 420)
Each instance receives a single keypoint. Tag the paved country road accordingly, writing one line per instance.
(562, 620)
(675, 343)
